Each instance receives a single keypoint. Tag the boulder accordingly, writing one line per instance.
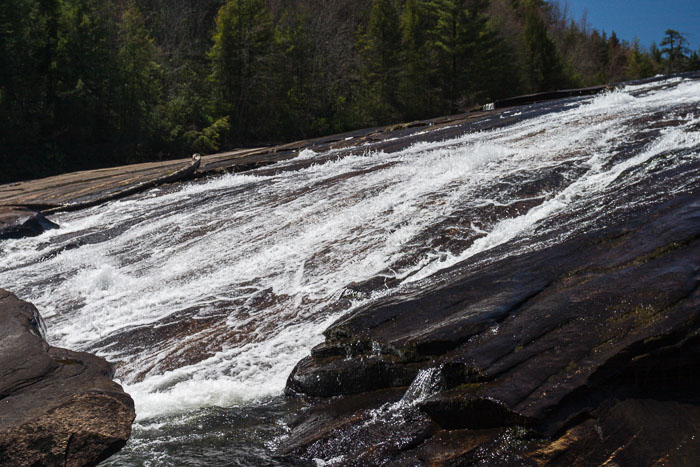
(17, 222)
(57, 407)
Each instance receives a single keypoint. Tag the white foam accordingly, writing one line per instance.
(609, 102)
(293, 241)
(306, 154)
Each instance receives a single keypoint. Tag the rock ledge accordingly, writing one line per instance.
(584, 353)
(57, 407)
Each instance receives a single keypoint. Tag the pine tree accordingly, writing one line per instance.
(639, 64)
(140, 86)
(455, 42)
(460, 50)
(240, 59)
(293, 55)
(88, 82)
(498, 73)
(694, 61)
(27, 51)
(675, 48)
(381, 49)
(545, 68)
(28, 41)
(418, 73)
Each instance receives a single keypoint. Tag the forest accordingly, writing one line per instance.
(96, 83)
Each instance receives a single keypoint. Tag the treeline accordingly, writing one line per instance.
(93, 83)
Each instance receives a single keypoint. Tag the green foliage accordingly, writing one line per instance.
(545, 69)
(381, 53)
(452, 43)
(208, 140)
(416, 85)
(27, 48)
(140, 90)
(91, 83)
(453, 57)
(675, 51)
(694, 61)
(300, 109)
(88, 71)
(240, 57)
(639, 64)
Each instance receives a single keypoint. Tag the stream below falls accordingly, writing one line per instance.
(206, 294)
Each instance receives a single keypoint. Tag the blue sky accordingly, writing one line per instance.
(645, 19)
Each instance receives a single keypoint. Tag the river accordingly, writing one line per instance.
(206, 294)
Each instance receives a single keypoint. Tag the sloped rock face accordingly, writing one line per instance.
(57, 407)
(583, 353)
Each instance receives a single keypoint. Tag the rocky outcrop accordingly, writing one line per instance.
(57, 407)
(17, 222)
(545, 96)
(584, 353)
(111, 193)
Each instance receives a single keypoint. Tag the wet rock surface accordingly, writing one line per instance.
(79, 190)
(57, 407)
(569, 327)
(17, 222)
(584, 352)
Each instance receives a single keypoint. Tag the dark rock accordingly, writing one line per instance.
(346, 429)
(18, 222)
(463, 407)
(545, 96)
(339, 375)
(57, 407)
(629, 432)
(538, 353)
(447, 446)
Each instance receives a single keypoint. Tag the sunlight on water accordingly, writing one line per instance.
(208, 293)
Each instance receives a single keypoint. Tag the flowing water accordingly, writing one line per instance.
(206, 294)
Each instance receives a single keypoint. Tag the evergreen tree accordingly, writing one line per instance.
(603, 52)
(24, 53)
(617, 59)
(675, 48)
(49, 14)
(240, 58)
(28, 40)
(294, 99)
(655, 53)
(381, 49)
(418, 73)
(639, 64)
(493, 72)
(544, 68)
(87, 83)
(694, 61)
(450, 42)
(140, 89)
(88, 72)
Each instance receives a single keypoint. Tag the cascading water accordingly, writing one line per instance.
(206, 294)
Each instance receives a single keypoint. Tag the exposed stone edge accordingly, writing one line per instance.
(47, 435)
(177, 176)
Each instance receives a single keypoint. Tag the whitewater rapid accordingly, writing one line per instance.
(208, 293)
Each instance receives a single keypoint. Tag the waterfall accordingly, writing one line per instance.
(206, 294)
(427, 383)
